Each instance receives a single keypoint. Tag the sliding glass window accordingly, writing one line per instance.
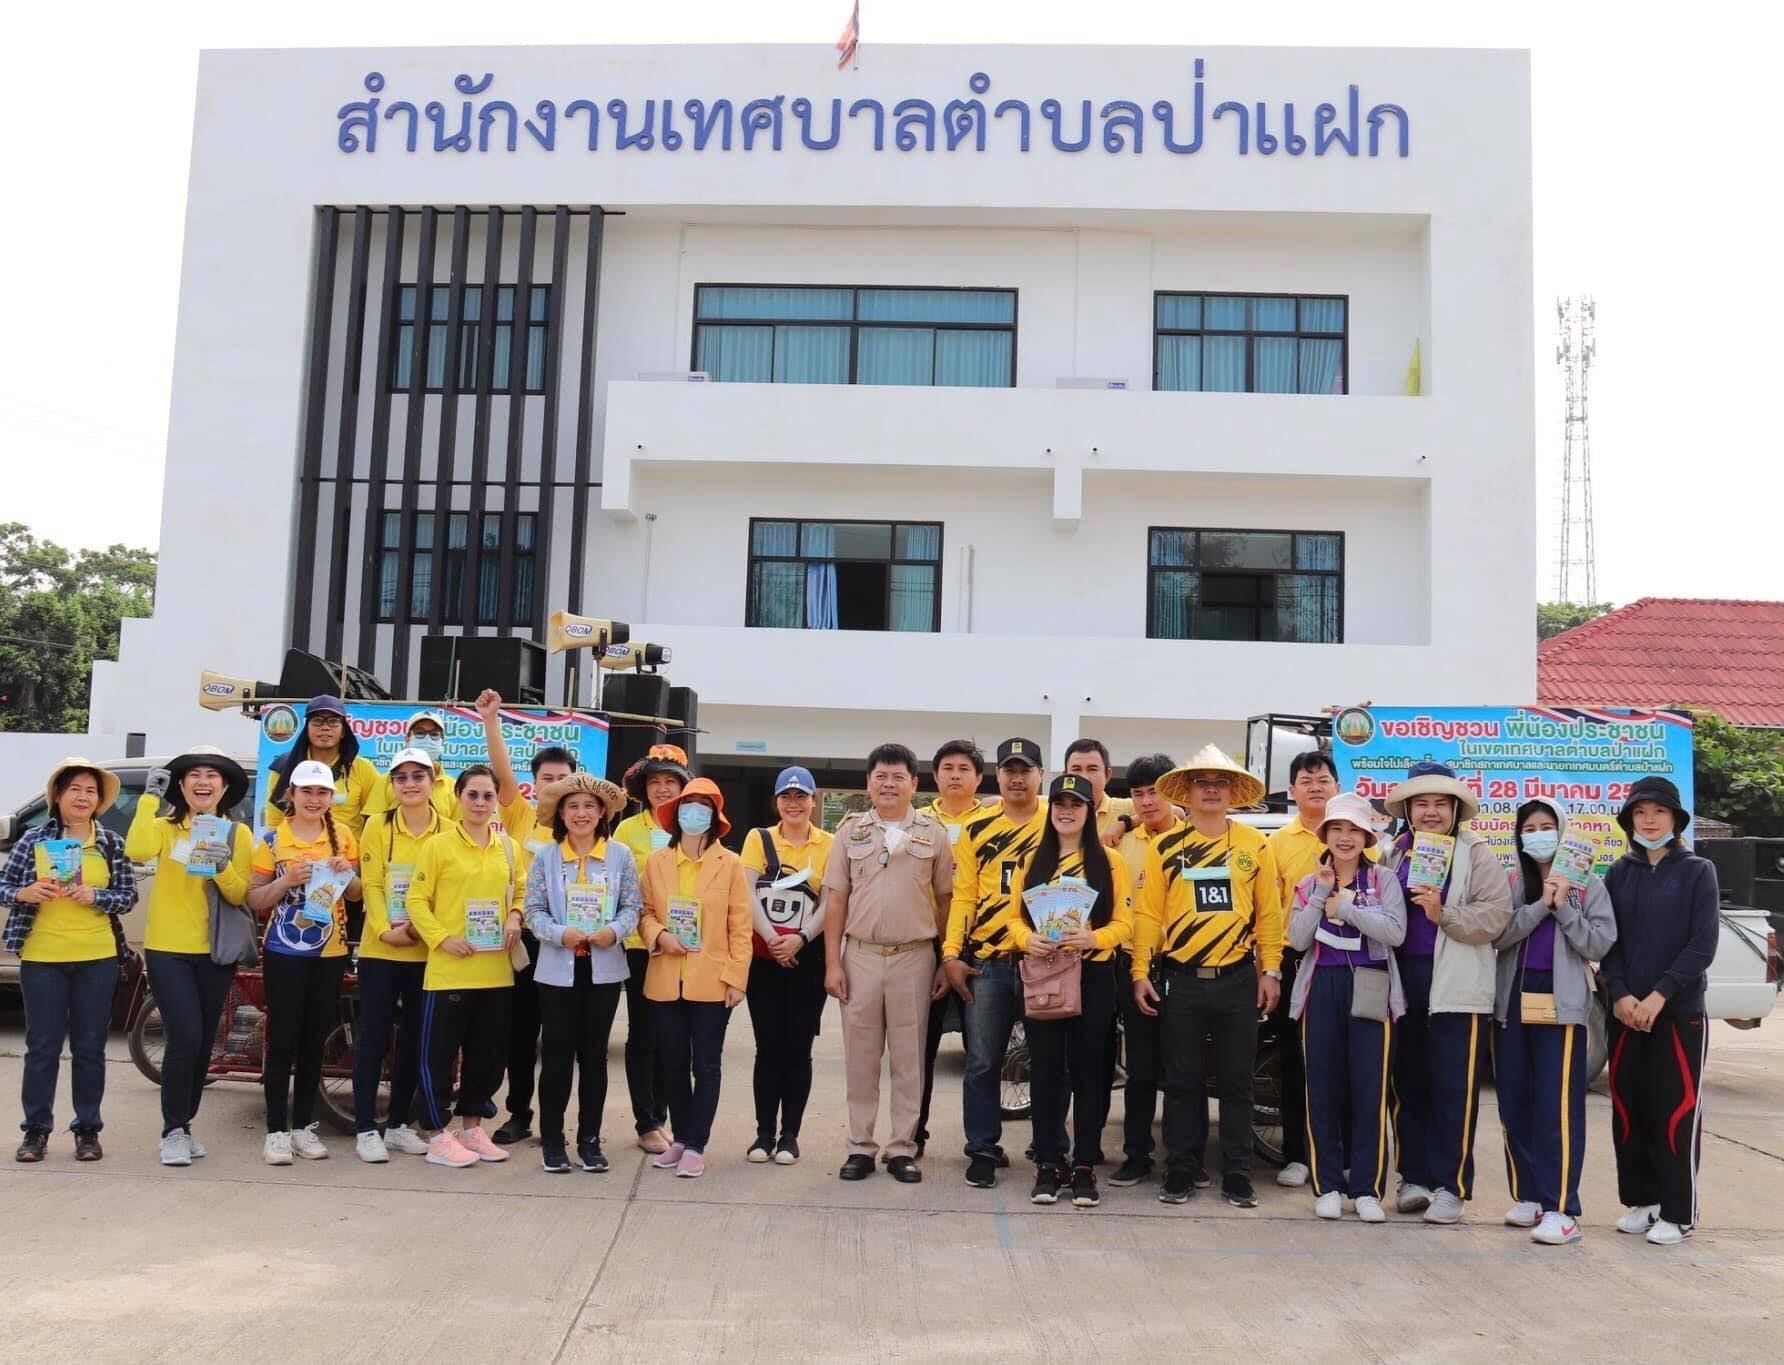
(1251, 343)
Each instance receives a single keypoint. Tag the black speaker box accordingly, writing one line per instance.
(458, 667)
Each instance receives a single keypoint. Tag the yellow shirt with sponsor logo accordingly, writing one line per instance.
(1119, 929)
(1208, 902)
(64, 930)
(179, 911)
(451, 872)
(388, 844)
(990, 853)
(441, 797)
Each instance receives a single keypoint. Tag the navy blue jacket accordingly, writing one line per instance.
(1668, 926)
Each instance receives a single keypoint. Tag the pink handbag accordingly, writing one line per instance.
(1053, 987)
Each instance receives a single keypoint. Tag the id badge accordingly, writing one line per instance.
(1213, 887)
(340, 797)
(954, 834)
(181, 852)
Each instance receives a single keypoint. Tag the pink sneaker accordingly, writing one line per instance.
(654, 1142)
(444, 1149)
(691, 1166)
(477, 1141)
(670, 1159)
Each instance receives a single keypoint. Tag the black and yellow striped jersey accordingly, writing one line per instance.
(1115, 934)
(1208, 902)
(989, 854)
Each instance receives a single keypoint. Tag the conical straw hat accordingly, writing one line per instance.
(1175, 786)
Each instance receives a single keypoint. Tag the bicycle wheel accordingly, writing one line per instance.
(1013, 1098)
(1266, 1104)
(148, 1042)
(335, 1092)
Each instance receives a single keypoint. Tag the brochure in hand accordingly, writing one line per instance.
(483, 925)
(684, 921)
(587, 906)
(325, 887)
(1576, 858)
(209, 846)
(1060, 908)
(63, 858)
(397, 877)
(1429, 860)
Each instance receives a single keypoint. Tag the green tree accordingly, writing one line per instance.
(1554, 617)
(60, 610)
(1740, 776)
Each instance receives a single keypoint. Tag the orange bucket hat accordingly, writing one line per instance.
(699, 786)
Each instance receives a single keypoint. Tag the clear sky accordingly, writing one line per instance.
(1655, 157)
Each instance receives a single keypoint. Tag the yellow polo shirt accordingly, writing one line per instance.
(452, 871)
(644, 836)
(352, 793)
(442, 797)
(388, 845)
(63, 929)
(286, 930)
(179, 911)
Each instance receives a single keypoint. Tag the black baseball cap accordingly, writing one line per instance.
(1019, 751)
(1072, 784)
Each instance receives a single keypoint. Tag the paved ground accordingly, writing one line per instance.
(341, 1261)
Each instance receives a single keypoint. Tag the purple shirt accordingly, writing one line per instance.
(1325, 954)
(1421, 934)
(1539, 948)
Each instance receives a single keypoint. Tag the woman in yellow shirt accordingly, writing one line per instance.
(64, 885)
(697, 925)
(189, 987)
(392, 957)
(465, 901)
(1071, 854)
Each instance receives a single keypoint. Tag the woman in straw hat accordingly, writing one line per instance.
(1347, 918)
(64, 885)
(190, 986)
(582, 900)
(1448, 970)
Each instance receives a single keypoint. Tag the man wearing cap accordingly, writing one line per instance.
(328, 739)
(785, 865)
(979, 961)
(886, 890)
(1208, 904)
(1089, 759)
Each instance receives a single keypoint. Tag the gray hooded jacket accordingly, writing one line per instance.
(1585, 930)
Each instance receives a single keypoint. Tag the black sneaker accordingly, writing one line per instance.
(511, 1132)
(1177, 1188)
(1237, 1191)
(1131, 1172)
(86, 1145)
(981, 1172)
(552, 1155)
(786, 1151)
(1046, 1186)
(1084, 1195)
(760, 1151)
(32, 1147)
(1201, 1178)
(589, 1155)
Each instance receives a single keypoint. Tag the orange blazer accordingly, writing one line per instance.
(723, 958)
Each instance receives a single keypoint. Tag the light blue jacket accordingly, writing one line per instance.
(545, 916)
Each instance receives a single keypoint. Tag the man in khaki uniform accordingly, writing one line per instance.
(886, 892)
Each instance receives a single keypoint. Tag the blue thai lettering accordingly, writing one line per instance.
(802, 112)
(1052, 111)
(1244, 122)
(545, 136)
(913, 114)
(1292, 140)
(763, 115)
(1324, 134)
(459, 141)
(645, 138)
(1166, 113)
(962, 119)
(395, 107)
(670, 137)
(1119, 114)
(360, 117)
(1380, 115)
(487, 115)
(1266, 140)
(593, 111)
(706, 118)
(1019, 107)
(879, 120)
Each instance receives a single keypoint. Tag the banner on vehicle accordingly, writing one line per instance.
(1586, 760)
(382, 726)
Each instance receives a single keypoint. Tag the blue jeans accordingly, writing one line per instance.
(65, 1002)
(692, 1034)
(995, 1008)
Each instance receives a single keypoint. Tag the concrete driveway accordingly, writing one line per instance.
(336, 1260)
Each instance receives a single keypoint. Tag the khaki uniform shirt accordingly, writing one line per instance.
(893, 898)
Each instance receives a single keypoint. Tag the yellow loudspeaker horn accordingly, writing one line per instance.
(219, 692)
(564, 631)
(634, 655)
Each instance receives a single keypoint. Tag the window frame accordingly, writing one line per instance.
(451, 560)
(751, 598)
(1299, 334)
(854, 324)
(469, 360)
(1293, 533)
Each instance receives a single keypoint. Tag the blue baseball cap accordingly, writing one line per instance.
(795, 780)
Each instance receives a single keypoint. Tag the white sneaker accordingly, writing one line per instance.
(1665, 1234)
(196, 1146)
(406, 1140)
(1638, 1218)
(1329, 1205)
(176, 1149)
(1369, 1209)
(307, 1145)
(1412, 1198)
(1523, 1214)
(1292, 1176)
(277, 1149)
(370, 1148)
(1556, 1230)
(1445, 1208)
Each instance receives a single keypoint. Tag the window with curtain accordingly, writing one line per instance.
(1250, 343)
(536, 329)
(1245, 585)
(844, 575)
(457, 557)
(811, 334)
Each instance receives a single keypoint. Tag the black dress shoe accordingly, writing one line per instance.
(511, 1132)
(857, 1167)
(904, 1170)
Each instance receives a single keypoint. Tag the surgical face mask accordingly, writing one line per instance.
(695, 818)
(1541, 844)
(430, 745)
(1652, 844)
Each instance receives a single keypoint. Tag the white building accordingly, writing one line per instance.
(1147, 216)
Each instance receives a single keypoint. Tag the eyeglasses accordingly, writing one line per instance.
(326, 722)
(409, 778)
(1218, 783)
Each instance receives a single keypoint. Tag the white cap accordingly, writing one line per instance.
(310, 773)
(419, 756)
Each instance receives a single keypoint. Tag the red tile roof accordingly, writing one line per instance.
(1719, 655)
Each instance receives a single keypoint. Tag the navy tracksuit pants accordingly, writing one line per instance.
(1540, 1073)
(1346, 1087)
(1436, 1087)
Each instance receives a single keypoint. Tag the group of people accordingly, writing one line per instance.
(497, 934)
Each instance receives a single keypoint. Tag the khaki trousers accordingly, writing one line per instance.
(887, 1012)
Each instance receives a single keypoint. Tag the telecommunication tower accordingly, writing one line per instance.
(1576, 567)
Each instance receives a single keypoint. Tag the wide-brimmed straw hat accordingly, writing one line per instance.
(661, 758)
(1427, 778)
(607, 793)
(700, 786)
(1353, 810)
(1177, 786)
(108, 782)
(235, 778)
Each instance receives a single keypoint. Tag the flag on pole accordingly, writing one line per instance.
(1415, 373)
(851, 38)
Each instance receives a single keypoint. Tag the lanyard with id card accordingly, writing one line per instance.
(1213, 889)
